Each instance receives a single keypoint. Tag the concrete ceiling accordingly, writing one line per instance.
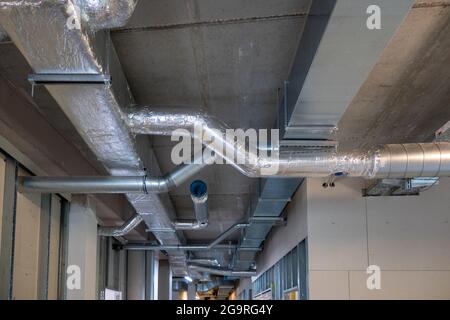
(406, 97)
(229, 57)
(225, 57)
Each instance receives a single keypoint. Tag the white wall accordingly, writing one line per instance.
(407, 237)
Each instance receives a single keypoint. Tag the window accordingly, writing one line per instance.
(283, 278)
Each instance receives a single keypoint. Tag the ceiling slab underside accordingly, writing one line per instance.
(406, 97)
(226, 58)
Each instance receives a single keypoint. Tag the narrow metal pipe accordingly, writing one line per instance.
(223, 272)
(180, 247)
(112, 184)
(122, 230)
(226, 234)
(273, 220)
(199, 196)
(208, 262)
(88, 185)
(214, 245)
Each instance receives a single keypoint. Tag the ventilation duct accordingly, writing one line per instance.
(223, 272)
(388, 161)
(199, 197)
(207, 262)
(116, 184)
(216, 243)
(49, 37)
(123, 230)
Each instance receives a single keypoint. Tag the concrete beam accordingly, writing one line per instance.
(335, 56)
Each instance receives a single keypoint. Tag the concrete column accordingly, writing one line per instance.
(81, 250)
(136, 275)
(123, 273)
(191, 291)
(151, 275)
(164, 281)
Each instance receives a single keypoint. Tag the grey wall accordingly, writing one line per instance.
(407, 237)
(164, 280)
(136, 275)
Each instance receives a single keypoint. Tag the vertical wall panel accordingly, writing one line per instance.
(53, 267)
(337, 237)
(411, 233)
(26, 248)
(82, 247)
(329, 285)
(2, 188)
(7, 235)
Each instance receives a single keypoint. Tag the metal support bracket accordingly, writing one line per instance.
(67, 79)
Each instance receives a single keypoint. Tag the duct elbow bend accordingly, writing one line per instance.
(122, 230)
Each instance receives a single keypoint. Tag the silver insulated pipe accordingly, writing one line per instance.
(122, 230)
(388, 161)
(115, 184)
(199, 196)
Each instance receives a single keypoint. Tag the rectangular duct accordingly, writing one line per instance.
(336, 53)
(41, 33)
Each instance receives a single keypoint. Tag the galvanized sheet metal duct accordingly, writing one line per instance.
(271, 198)
(199, 196)
(388, 161)
(40, 31)
(113, 184)
(122, 230)
(223, 272)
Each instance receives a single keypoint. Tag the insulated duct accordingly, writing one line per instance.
(55, 39)
(388, 161)
(105, 14)
(123, 230)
